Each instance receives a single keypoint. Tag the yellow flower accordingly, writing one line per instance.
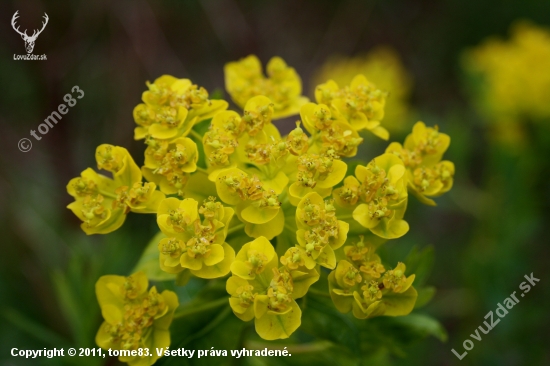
(362, 255)
(258, 112)
(168, 163)
(171, 107)
(261, 291)
(102, 202)
(348, 194)
(192, 243)
(134, 317)
(254, 258)
(256, 206)
(315, 173)
(396, 280)
(383, 66)
(360, 104)
(367, 296)
(244, 79)
(427, 176)
(319, 231)
(328, 133)
(383, 194)
(220, 142)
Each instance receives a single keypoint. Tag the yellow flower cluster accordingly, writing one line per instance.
(360, 105)
(244, 79)
(171, 107)
(361, 284)
(292, 195)
(427, 176)
(265, 292)
(385, 68)
(102, 202)
(194, 243)
(137, 320)
(515, 74)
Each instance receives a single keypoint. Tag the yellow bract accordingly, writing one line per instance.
(319, 232)
(257, 206)
(427, 176)
(168, 163)
(244, 79)
(360, 104)
(102, 202)
(383, 67)
(260, 290)
(364, 287)
(315, 173)
(135, 317)
(195, 237)
(333, 136)
(171, 107)
(378, 196)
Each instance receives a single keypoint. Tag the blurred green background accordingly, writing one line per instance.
(487, 233)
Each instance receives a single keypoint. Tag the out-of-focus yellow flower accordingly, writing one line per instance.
(135, 318)
(244, 79)
(384, 68)
(515, 74)
(261, 291)
(361, 104)
(194, 243)
(102, 202)
(369, 292)
(171, 107)
(427, 175)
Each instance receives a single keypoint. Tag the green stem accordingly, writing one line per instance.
(345, 217)
(317, 292)
(290, 228)
(235, 229)
(196, 135)
(210, 305)
(107, 194)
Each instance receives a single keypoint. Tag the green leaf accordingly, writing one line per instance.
(420, 326)
(420, 262)
(34, 329)
(149, 261)
(425, 295)
(69, 305)
(320, 319)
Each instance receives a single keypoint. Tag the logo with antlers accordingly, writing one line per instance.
(29, 40)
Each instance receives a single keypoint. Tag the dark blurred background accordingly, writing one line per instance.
(488, 232)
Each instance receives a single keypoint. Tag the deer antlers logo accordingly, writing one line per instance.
(29, 40)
